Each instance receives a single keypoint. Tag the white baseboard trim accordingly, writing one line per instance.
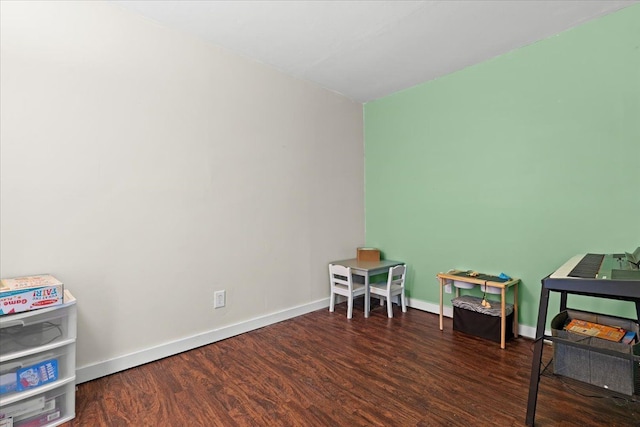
(429, 307)
(121, 363)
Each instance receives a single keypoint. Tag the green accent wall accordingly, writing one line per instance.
(513, 165)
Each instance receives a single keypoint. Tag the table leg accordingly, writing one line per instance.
(534, 381)
(442, 283)
(515, 311)
(503, 318)
(367, 301)
(563, 301)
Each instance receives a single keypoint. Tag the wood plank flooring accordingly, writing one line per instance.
(321, 369)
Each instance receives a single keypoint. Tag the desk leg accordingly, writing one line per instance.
(563, 301)
(503, 317)
(515, 311)
(442, 282)
(367, 300)
(534, 382)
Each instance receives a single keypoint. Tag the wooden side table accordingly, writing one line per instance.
(483, 279)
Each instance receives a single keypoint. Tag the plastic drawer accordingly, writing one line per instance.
(49, 408)
(64, 358)
(26, 331)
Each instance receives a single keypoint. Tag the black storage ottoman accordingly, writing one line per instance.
(614, 370)
(470, 317)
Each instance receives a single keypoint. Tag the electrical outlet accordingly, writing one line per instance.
(218, 299)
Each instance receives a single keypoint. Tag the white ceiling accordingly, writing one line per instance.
(369, 49)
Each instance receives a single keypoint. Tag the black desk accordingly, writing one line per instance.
(625, 290)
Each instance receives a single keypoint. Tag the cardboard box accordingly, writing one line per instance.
(368, 254)
(37, 375)
(29, 293)
(591, 329)
(30, 377)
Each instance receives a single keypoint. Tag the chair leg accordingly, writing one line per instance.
(332, 302)
(350, 307)
(389, 306)
(404, 302)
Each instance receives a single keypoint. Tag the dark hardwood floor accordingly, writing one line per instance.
(321, 369)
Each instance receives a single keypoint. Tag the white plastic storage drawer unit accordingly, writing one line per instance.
(38, 364)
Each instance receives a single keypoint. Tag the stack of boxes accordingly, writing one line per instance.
(29, 293)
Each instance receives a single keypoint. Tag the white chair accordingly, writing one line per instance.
(342, 284)
(394, 286)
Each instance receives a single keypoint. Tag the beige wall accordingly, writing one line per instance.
(147, 169)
